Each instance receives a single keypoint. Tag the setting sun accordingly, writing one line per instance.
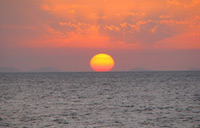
(102, 63)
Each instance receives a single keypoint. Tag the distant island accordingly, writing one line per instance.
(139, 69)
(45, 69)
(8, 69)
(194, 69)
(51, 69)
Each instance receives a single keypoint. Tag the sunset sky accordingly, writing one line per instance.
(66, 34)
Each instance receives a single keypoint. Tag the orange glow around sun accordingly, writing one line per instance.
(102, 63)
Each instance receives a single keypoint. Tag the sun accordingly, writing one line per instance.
(102, 62)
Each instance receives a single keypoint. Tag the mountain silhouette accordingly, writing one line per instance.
(45, 69)
(8, 69)
(138, 69)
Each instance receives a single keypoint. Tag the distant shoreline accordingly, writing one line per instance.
(101, 72)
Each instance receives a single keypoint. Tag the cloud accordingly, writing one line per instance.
(132, 23)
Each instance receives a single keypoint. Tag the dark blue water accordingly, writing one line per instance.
(100, 100)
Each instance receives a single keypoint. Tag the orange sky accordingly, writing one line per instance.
(105, 25)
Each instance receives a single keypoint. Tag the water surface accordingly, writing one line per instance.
(100, 100)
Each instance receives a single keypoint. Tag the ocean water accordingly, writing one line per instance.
(100, 100)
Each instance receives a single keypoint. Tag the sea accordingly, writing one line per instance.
(100, 100)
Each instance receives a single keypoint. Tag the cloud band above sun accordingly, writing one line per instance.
(132, 24)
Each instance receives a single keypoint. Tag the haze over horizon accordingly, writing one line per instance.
(64, 34)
